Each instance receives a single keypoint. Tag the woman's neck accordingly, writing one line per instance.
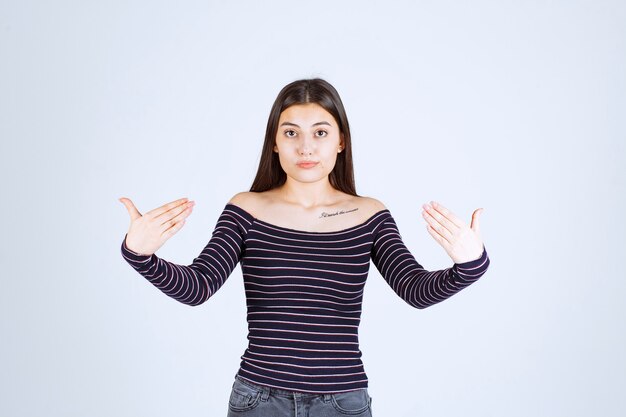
(307, 195)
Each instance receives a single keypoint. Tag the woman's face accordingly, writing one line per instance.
(307, 132)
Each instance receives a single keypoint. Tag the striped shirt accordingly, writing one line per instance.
(304, 292)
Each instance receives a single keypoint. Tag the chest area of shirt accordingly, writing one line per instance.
(343, 257)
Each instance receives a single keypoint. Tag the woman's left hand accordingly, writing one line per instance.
(461, 242)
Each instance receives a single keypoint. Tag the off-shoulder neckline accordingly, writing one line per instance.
(254, 219)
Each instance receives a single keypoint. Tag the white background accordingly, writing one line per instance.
(517, 107)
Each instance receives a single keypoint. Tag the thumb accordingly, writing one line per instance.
(132, 210)
(474, 225)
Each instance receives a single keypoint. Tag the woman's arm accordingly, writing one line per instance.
(194, 284)
(415, 285)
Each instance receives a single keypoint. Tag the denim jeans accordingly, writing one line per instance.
(251, 400)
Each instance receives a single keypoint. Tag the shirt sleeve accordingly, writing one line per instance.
(194, 284)
(415, 285)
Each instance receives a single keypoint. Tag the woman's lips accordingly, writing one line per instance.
(307, 164)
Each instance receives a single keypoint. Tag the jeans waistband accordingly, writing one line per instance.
(278, 391)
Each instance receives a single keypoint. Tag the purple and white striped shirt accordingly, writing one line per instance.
(304, 292)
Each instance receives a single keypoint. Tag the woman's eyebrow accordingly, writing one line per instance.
(313, 125)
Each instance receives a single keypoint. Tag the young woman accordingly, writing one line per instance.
(305, 239)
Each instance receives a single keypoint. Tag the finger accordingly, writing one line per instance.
(448, 214)
(171, 221)
(443, 226)
(173, 230)
(475, 224)
(438, 228)
(166, 207)
(443, 242)
(170, 214)
(132, 210)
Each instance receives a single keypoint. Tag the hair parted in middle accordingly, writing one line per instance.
(313, 90)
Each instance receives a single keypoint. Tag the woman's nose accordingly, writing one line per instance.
(306, 144)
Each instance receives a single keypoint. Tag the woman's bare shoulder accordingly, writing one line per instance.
(241, 197)
(247, 200)
(373, 205)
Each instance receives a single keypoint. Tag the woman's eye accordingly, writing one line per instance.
(290, 133)
(321, 133)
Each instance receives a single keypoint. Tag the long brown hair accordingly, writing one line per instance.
(315, 90)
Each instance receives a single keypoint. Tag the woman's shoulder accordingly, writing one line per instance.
(373, 203)
(241, 197)
(248, 200)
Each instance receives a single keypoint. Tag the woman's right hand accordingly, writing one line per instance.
(149, 232)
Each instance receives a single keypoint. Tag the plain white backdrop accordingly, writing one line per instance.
(517, 107)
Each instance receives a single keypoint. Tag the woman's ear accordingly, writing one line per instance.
(342, 142)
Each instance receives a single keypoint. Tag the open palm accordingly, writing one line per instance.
(463, 243)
